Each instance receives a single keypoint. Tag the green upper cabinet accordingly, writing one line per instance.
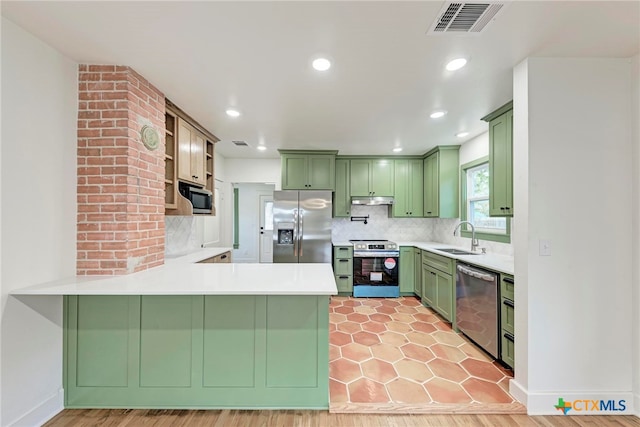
(308, 170)
(342, 195)
(409, 188)
(441, 182)
(501, 161)
(371, 177)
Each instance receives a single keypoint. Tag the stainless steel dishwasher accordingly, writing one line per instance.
(477, 306)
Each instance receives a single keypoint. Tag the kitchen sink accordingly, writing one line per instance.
(456, 251)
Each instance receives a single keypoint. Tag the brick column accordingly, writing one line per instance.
(120, 181)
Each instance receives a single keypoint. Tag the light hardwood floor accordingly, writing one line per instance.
(286, 418)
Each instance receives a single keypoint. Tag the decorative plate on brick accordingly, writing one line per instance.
(150, 137)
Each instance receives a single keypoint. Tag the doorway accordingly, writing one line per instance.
(266, 228)
(254, 223)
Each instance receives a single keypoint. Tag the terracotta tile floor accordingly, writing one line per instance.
(395, 351)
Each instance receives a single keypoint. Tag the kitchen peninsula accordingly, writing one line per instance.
(193, 335)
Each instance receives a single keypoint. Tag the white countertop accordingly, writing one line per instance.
(495, 262)
(183, 276)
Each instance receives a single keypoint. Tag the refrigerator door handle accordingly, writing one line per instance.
(295, 232)
(301, 233)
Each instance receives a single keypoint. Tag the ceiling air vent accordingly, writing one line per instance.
(240, 143)
(465, 18)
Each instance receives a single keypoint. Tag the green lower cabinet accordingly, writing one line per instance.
(343, 268)
(407, 270)
(507, 319)
(344, 284)
(438, 286)
(196, 351)
(445, 296)
(429, 286)
(417, 265)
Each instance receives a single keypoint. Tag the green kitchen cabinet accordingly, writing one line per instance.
(196, 351)
(407, 270)
(441, 182)
(371, 177)
(501, 161)
(308, 170)
(417, 265)
(438, 274)
(342, 195)
(507, 319)
(343, 268)
(408, 188)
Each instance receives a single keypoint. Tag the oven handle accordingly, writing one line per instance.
(371, 254)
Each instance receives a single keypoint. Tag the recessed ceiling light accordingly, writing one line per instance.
(232, 112)
(437, 114)
(321, 64)
(456, 64)
(462, 134)
(397, 149)
(261, 147)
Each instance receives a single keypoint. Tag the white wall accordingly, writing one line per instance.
(635, 114)
(257, 171)
(38, 145)
(576, 118)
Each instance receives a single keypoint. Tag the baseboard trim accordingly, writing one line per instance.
(43, 412)
(516, 390)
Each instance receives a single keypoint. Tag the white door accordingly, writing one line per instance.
(266, 228)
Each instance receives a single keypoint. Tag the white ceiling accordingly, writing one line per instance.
(387, 76)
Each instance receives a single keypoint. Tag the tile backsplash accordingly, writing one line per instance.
(181, 235)
(381, 226)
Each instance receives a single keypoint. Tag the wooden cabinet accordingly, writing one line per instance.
(507, 319)
(407, 270)
(170, 170)
(191, 154)
(417, 265)
(343, 268)
(371, 177)
(438, 284)
(408, 188)
(442, 182)
(189, 157)
(342, 196)
(501, 161)
(303, 170)
(222, 258)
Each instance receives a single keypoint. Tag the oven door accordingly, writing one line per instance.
(375, 270)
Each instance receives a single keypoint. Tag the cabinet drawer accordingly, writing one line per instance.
(344, 283)
(506, 286)
(507, 353)
(342, 266)
(439, 262)
(342, 252)
(507, 315)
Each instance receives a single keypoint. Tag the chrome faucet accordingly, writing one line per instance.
(474, 241)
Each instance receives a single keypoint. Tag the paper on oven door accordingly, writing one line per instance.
(375, 277)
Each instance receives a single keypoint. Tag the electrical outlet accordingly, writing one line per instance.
(545, 247)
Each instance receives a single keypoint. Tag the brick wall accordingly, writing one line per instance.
(120, 182)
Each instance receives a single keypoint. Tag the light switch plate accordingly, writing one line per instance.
(545, 247)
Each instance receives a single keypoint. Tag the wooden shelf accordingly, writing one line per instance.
(168, 132)
(209, 173)
(209, 156)
(168, 157)
(168, 181)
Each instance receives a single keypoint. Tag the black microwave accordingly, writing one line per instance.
(200, 198)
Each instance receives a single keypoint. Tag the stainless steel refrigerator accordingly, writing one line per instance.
(301, 226)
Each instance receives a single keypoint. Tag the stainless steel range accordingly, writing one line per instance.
(375, 268)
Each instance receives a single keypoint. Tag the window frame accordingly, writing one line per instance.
(465, 232)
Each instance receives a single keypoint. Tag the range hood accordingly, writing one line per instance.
(372, 200)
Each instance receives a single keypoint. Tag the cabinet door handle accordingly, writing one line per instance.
(432, 273)
(508, 280)
(343, 277)
(343, 249)
(508, 303)
(344, 260)
(509, 336)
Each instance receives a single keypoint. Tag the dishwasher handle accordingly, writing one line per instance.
(482, 275)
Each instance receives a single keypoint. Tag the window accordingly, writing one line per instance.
(475, 204)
